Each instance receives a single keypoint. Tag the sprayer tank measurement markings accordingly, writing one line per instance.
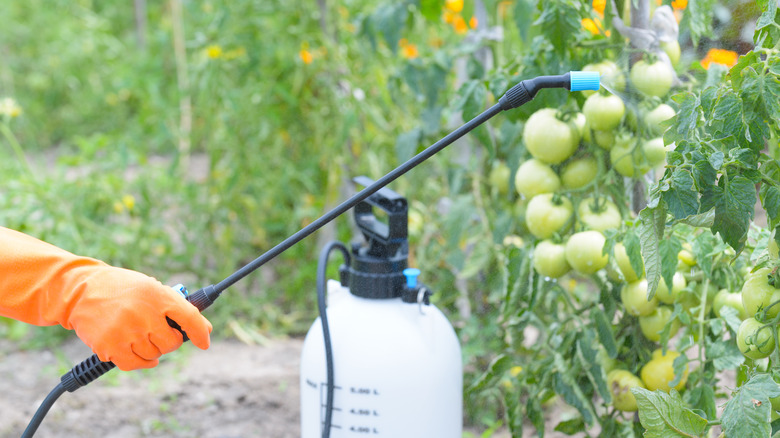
(362, 413)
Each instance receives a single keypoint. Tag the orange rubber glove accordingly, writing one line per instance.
(120, 314)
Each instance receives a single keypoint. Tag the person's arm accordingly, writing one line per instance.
(120, 314)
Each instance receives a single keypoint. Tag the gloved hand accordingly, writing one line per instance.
(120, 314)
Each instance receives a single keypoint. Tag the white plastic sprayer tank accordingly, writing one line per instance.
(398, 371)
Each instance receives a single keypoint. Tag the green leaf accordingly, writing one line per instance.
(406, 144)
(669, 248)
(682, 199)
(431, 9)
(560, 19)
(495, 372)
(703, 220)
(687, 116)
(589, 358)
(725, 355)
(770, 200)
(523, 16)
(604, 330)
(747, 413)
(731, 316)
(703, 397)
(734, 211)
(634, 251)
(651, 231)
(571, 427)
(665, 415)
(570, 391)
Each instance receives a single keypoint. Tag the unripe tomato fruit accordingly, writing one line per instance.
(626, 162)
(667, 295)
(550, 259)
(609, 74)
(672, 49)
(578, 173)
(604, 139)
(624, 264)
(726, 298)
(584, 252)
(546, 216)
(654, 117)
(659, 372)
(533, 177)
(549, 139)
(758, 294)
(601, 217)
(654, 323)
(634, 298)
(620, 383)
(652, 79)
(655, 151)
(603, 112)
(755, 343)
(499, 177)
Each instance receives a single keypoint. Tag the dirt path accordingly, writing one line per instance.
(232, 390)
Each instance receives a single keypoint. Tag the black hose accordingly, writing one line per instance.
(43, 409)
(322, 267)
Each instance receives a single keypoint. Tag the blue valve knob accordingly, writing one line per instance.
(584, 80)
(411, 277)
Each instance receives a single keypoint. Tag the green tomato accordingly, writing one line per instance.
(624, 264)
(634, 298)
(577, 173)
(549, 139)
(654, 323)
(753, 341)
(499, 177)
(652, 79)
(601, 217)
(604, 139)
(669, 296)
(733, 300)
(547, 214)
(626, 162)
(655, 151)
(773, 249)
(584, 252)
(654, 118)
(758, 294)
(603, 113)
(672, 49)
(550, 259)
(620, 383)
(658, 373)
(609, 74)
(533, 178)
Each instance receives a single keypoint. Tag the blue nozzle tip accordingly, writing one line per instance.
(411, 277)
(584, 80)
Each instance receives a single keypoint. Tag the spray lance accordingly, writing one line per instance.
(523, 92)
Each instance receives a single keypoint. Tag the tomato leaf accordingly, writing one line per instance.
(703, 396)
(406, 144)
(687, 118)
(681, 198)
(725, 355)
(669, 248)
(604, 330)
(590, 363)
(561, 20)
(651, 231)
(747, 413)
(770, 200)
(731, 316)
(523, 15)
(734, 210)
(570, 391)
(665, 415)
(634, 251)
(495, 372)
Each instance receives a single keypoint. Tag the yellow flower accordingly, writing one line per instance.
(9, 107)
(238, 52)
(448, 17)
(679, 4)
(306, 56)
(720, 56)
(454, 6)
(214, 51)
(459, 24)
(599, 6)
(410, 51)
(514, 371)
(594, 26)
(118, 207)
(473, 23)
(128, 201)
